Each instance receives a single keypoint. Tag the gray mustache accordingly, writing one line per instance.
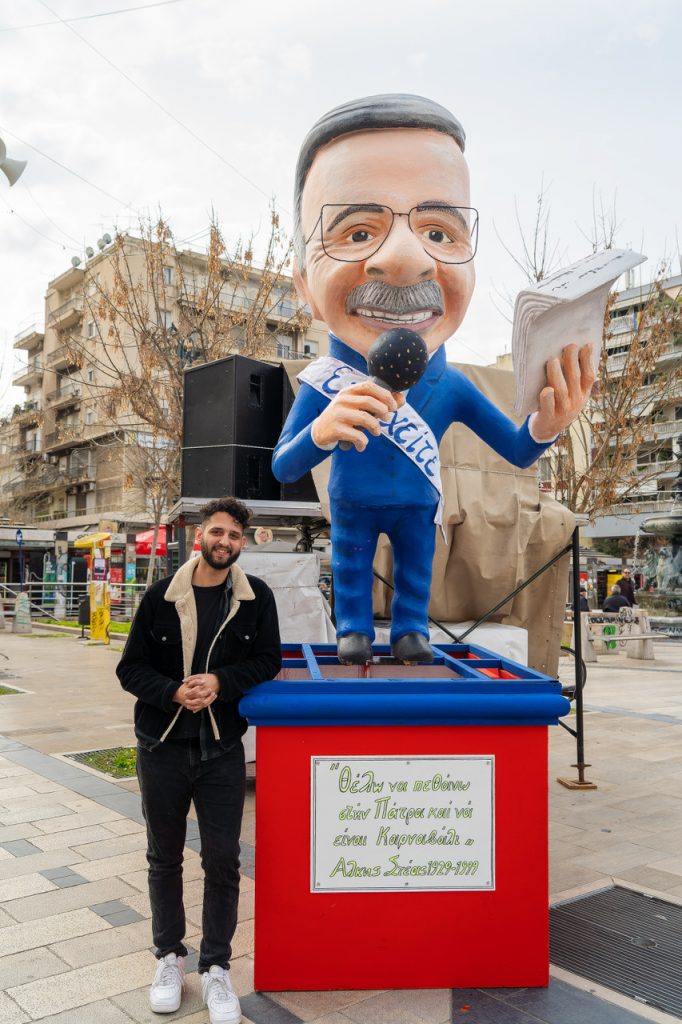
(391, 298)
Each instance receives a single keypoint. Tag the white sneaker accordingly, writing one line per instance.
(169, 981)
(219, 997)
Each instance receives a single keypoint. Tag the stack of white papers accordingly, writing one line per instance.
(566, 308)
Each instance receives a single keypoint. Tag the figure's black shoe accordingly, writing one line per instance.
(354, 649)
(412, 648)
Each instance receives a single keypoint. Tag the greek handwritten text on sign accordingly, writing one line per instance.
(384, 824)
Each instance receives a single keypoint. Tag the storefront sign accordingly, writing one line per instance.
(386, 824)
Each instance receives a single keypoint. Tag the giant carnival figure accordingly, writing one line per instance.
(385, 237)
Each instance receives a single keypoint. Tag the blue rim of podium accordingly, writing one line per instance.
(459, 688)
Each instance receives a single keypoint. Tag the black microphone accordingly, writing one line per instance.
(396, 361)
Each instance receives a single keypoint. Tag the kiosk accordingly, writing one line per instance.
(401, 821)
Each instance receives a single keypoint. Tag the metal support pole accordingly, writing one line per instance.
(182, 540)
(581, 782)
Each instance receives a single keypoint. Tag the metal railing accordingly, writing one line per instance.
(29, 444)
(56, 601)
(57, 354)
(33, 365)
(82, 470)
(27, 332)
(35, 482)
(69, 390)
(74, 304)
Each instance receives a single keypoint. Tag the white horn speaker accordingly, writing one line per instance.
(12, 169)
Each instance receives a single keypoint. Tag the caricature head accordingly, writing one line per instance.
(384, 233)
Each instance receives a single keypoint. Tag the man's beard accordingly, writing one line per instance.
(214, 562)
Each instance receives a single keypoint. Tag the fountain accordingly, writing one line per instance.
(662, 566)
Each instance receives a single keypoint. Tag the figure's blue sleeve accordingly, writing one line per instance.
(296, 453)
(483, 417)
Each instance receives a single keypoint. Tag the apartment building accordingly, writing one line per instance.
(656, 462)
(65, 454)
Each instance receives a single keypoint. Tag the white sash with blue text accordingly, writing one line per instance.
(406, 429)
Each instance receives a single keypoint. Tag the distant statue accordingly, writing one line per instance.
(650, 567)
(676, 570)
(664, 568)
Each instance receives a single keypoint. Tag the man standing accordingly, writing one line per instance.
(627, 587)
(200, 639)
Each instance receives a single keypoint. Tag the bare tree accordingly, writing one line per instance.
(153, 309)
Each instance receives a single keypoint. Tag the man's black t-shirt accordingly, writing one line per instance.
(210, 607)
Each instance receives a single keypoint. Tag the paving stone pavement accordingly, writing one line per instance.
(74, 912)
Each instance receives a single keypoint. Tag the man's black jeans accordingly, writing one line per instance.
(171, 775)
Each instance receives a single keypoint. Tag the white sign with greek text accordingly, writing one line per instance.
(389, 824)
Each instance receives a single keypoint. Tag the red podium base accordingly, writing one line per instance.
(321, 926)
(308, 940)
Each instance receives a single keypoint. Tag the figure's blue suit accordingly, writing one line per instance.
(381, 491)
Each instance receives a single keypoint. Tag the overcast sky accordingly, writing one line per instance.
(585, 96)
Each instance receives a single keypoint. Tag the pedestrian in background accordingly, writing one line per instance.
(627, 587)
(615, 601)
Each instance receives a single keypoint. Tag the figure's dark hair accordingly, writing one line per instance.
(232, 506)
(391, 110)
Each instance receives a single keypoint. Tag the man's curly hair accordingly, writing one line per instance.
(232, 506)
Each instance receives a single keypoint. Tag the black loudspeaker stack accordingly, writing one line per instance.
(233, 413)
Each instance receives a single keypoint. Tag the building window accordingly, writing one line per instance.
(92, 328)
(168, 275)
(164, 318)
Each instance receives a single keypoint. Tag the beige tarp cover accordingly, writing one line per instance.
(500, 530)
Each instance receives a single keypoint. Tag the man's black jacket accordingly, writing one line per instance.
(160, 649)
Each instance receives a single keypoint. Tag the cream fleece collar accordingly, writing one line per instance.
(181, 594)
(181, 585)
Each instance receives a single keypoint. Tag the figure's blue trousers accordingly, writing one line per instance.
(354, 534)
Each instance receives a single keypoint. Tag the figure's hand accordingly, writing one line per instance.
(354, 410)
(198, 691)
(569, 385)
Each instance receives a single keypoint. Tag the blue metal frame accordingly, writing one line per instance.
(464, 696)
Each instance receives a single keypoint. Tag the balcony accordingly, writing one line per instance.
(69, 279)
(32, 373)
(47, 478)
(28, 446)
(66, 435)
(29, 339)
(68, 394)
(276, 351)
(31, 413)
(81, 471)
(285, 309)
(68, 314)
(631, 508)
(670, 353)
(668, 428)
(61, 357)
(620, 325)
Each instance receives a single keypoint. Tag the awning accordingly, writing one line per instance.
(143, 542)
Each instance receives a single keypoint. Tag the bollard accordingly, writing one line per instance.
(84, 615)
(22, 614)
